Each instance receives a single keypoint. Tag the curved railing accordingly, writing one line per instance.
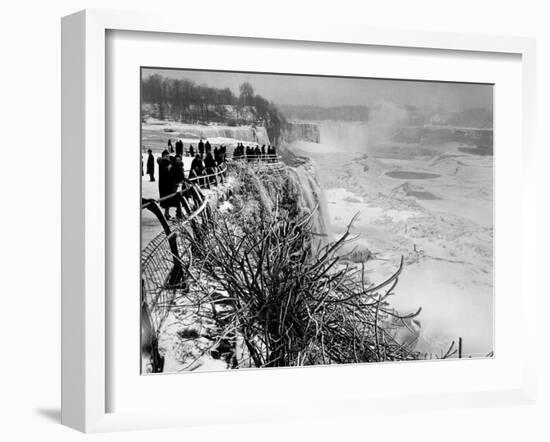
(162, 263)
(212, 174)
(261, 162)
(262, 158)
(161, 260)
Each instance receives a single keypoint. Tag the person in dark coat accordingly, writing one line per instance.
(170, 147)
(209, 163)
(177, 172)
(237, 152)
(210, 166)
(197, 167)
(263, 150)
(177, 175)
(165, 181)
(150, 165)
(191, 151)
(179, 148)
(257, 153)
(217, 156)
(207, 147)
(272, 153)
(201, 148)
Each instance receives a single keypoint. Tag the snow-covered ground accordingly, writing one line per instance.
(443, 226)
(156, 133)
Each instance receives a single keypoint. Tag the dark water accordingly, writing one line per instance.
(482, 151)
(410, 175)
(422, 195)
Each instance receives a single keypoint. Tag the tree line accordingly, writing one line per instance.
(184, 100)
(337, 113)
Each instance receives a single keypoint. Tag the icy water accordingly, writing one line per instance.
(441, 222)
(411, 175)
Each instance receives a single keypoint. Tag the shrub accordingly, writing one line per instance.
(290, 300)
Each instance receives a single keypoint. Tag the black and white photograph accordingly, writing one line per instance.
(301, 220)
(283, 221)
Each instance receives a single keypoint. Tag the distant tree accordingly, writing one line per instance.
(246, 92)
(228, 97)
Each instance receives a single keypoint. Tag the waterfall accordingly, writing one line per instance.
(245, 134)
(224, 134)
(298, 185)
(345, 135)
(311, 195)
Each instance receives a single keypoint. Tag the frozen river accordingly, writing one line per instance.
(435, 210)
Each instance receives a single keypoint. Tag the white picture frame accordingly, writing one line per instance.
(85, 217)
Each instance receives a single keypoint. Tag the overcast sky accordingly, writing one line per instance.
(332, 91)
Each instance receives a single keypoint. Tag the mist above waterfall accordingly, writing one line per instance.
(385, 117)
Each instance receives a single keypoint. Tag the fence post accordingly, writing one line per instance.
(185, 205)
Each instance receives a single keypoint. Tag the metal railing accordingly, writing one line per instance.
(162, 260)
(213, 175)
(263, 158)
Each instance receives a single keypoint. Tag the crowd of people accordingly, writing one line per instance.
(252, 153)
(206, 162)
(203, 149)
(171, 172)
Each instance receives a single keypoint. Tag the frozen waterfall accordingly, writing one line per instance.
(311, 196)
(345, 135)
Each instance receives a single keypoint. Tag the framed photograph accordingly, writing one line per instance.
(292, 223)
